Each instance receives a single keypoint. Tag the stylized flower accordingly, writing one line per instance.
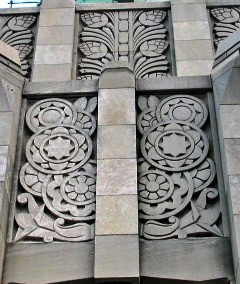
(153, 186)
(21, 23)
(153, 48)
(147, 119)
(152, 18)
(225, 15)
(81, 188)
(93, 50)
(94, 20)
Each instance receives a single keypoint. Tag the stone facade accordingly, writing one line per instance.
(119, 143)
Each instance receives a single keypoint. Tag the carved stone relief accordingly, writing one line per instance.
(177, 197)
(138, 37)
(227, 21)
(17, 32)
(58, 182)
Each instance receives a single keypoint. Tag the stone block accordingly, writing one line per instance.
(9, 52)
(4, 207)
(191, 30)
(189, 12)
(179, 2)
(230, 117)
(232, 152)
(57, 17)
(194, 67)
(116, 106)
(116, 257)
(53, 54)
(5, 130)
(234, 188)
(2, 253)
(49, 263)
(231, 95)
(117, 215)
(192, 261)
(51, 73)
(116, 142)
(116, 177)
(4, 160)
(56, 4)
(13, 96)
(116, 75)
(58, 35)
(194, 49)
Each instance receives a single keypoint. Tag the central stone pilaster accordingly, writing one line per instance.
(116, 245)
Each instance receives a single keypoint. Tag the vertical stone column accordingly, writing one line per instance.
(11, 83)
(226, 86)
(192, 38)
(116, 243)
(54, 47)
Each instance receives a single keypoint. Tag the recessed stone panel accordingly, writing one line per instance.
(116, 142)
(117, 215)
(116, 106)
(116, 177)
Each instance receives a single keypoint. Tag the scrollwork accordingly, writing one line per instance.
(59, 180)
(227, 21)
(175, 172)
(108, 36)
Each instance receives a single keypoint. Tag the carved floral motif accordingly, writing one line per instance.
(227, 22)
(59, 179)
(175, 173)
(138, 37)
(17, 32)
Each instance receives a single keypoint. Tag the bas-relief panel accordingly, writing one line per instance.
(137, 37)
(57, 179)
(226, 22)
(177, 184)
(17, 31)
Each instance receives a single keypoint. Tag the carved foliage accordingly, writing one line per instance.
(17, 32)
(59, 178)
(138, 37)
(227, 22)
(175, 173)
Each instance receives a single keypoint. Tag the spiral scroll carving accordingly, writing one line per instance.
(57, 200)
(175, 172)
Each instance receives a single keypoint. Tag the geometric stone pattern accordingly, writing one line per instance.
(175, 173)
(137, 37)
(17, 32)
(57, 198)
(227, 21)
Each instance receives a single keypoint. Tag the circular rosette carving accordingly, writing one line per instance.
(177, 191)
(50, 112)
(147, 119)
(174, 146)
(71, 198)
(58, 150)
(86, 122)
(184, 108)
(155, 187)
(32, 180)
(79, 189)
